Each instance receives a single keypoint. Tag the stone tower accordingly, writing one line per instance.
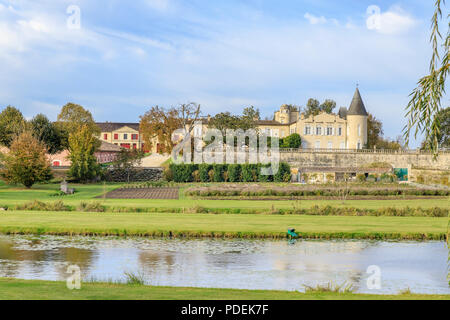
(357, 123)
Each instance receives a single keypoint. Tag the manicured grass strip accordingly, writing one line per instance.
(231, 226)
(12, 289)
(13, 195)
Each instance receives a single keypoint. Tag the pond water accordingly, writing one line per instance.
(241, 264)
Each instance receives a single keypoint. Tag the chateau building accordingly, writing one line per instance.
(345, 130)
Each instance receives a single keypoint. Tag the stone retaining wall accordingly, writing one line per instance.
(136, 175)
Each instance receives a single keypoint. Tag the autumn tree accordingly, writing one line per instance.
(72, 117)
(26, 162)
(425, 104)
(48, 133)
(158, 124)
(12, 124)
(82, 147)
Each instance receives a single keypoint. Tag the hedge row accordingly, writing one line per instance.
(226, 173)
(312, 193)
(315, 210)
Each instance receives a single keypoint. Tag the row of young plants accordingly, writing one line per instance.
(60, 206)
(318, 192)
(226, 173)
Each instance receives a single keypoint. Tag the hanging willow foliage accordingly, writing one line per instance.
(426, 98)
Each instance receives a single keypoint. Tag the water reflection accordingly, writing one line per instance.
(279, 265)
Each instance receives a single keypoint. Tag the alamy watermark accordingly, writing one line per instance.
(237, 147)
(74, 20)
(74, 280)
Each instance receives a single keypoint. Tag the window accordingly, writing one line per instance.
(134, 146)
(318, 131)
(358, 145)
(116, 136)
(134, 137)
(125, 136)
(292, 130)
(330, 145)
(56, 163)
(329, 131)
(317, 144)
(340, 131)
(125, 145)
(342, 145)
(105, 136)
(307, 130)
(359, 131)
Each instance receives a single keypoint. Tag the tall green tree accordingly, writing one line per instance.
(314, 107)
(82, 147)
(12, 124)
(374, 131)
(425, 104)
(328, 106)
(48, 133)
(26, 162)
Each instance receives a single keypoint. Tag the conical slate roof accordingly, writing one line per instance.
(357, 107)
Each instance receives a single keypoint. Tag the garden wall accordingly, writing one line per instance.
(135, 175)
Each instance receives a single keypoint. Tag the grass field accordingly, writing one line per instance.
(12, 289)
(245, 226)
(12, 195)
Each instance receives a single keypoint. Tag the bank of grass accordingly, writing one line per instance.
(222, 226)
(13, 289)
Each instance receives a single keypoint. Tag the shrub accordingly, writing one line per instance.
(261, 176)
(204, 172)
(234, 173)
(91, 207)
(361, 177)
(249, 173)
(284, 171)
(183, 172)
(168, 175)
(219, 169)
(196, 176)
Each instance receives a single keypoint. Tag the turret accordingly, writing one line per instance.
(357, 123)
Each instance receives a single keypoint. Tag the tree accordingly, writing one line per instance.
(225, 120)
(12, 124)
(425, 103)
(82, 147)
(328, 106)
(158, 124)
(48, 133)
(314, 108)
(374, 131)
(249, 118)
(294, 141)
(26, 162)
(72, 117)
(126, 160)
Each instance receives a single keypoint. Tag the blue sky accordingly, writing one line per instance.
(130, 55)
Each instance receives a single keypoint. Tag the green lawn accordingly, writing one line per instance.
(161, 224)
(12, 289)
(16, 195)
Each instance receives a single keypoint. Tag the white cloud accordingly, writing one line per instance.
(159, 5)
(393, 21)
(315, 20)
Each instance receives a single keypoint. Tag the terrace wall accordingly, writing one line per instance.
(362, 158)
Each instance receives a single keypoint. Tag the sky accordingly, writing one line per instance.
(118, 58)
